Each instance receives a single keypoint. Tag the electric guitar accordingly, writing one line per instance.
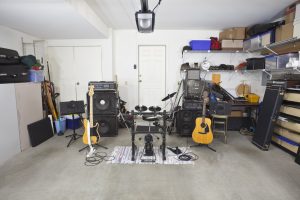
(202, 133)
(88, 125)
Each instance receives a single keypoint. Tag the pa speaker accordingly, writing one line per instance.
(108, 125)
(185, 121)
(104, 102)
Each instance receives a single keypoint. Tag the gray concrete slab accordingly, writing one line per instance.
(238, 171)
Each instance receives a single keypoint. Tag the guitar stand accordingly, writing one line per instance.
(74, 135)
(94, 145)
(199, 145)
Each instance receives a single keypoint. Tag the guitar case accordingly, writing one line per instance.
(14, 73)
(9, 57)
(267, 116)
(298, 157)
(40, 131)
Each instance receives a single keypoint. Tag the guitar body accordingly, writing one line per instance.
(202, 133)
(85, 139)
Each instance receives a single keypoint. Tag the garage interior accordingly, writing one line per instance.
(150, 99)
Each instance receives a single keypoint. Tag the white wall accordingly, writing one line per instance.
(125, 54)
(12, 39)
(106, 48)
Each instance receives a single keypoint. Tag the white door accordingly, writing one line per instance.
(71, 69)
(152, 75)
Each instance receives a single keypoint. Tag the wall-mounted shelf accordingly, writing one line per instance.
(216, 51)
(282, 47)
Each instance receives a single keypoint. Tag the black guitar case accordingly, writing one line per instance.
(40, 131)
(14, 73)
(9, 57)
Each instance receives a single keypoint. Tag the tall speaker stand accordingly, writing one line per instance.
(94, 145)
(74, 136)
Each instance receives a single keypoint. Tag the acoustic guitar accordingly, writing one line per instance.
(89, 124)
(202, 133)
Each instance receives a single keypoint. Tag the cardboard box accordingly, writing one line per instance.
(296, 30)
(237, 33)
(236, 113)
(289, 18)
(284, 32)
(232, 44)
(267, 38)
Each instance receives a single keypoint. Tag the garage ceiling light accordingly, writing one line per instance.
(145, 18)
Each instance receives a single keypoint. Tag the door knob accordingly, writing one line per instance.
(140, 80)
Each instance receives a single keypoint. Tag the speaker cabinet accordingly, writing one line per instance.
(220, 108)
(104, 102)
(185, 121)
(108, 125)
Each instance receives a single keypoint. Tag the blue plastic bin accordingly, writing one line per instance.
(36, 75)
(60, 126)
(200, 44)
(76, 123)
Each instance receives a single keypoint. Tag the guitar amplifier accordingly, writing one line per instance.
(192, 105)
(103, 85)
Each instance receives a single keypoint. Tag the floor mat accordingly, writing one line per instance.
(122, 155)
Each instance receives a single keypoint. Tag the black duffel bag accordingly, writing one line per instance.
(9, 57)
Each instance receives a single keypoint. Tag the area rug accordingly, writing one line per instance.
(122, 155)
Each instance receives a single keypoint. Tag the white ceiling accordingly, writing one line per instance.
(48, 19)
(191, 14)
(60, 19)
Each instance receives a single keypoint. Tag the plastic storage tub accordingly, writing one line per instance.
(76, 123)
(271, 62)
(284, 59)
(36, 75)
(255, 63)
(200, 44)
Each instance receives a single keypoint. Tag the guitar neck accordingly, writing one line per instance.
(91, 111)
(203, 110)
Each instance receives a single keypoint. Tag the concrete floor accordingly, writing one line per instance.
(238, 171)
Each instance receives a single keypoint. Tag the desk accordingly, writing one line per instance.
(236, 122)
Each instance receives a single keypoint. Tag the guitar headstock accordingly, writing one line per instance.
(91, 90)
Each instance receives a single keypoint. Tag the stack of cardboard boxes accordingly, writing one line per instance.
(232, 38)
(286, 31)
(296, 23)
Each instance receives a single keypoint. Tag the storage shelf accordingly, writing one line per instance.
(282, 70)
(215, 51)
(282, 47)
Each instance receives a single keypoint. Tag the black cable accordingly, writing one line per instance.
(156, 5)
(189, 156)
(97, 158)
